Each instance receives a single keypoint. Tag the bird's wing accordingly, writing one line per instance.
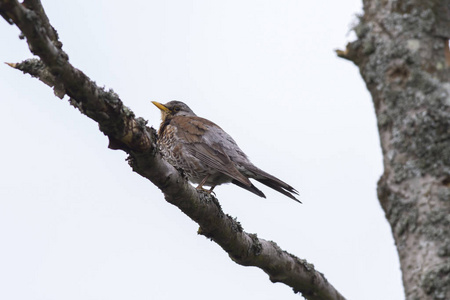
(214, 157)
(209, 149)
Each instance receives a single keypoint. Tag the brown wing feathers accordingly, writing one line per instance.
(211, 155)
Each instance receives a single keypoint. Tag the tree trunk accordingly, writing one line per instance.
(403, 55)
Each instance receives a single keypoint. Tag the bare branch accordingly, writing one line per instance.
(131, 134)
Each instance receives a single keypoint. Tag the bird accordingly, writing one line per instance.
(206, 154)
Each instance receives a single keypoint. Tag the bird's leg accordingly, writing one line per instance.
(200, 186)
(211, 190)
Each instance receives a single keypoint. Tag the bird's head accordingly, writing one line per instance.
(173, 108)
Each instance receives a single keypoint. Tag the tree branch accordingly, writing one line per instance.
(131, 135)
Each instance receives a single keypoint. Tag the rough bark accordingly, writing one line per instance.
(131, 135)
(403, 55)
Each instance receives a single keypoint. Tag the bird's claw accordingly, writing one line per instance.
(201, 189)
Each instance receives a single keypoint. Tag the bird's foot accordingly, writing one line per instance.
(210, 191)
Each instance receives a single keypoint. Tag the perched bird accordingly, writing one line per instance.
(206, 154)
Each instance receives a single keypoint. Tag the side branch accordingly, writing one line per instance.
(131, 135)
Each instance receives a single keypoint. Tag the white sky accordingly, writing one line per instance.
(77, 223)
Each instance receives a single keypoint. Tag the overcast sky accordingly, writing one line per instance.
(77, 223)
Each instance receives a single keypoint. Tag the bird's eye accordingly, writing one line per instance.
(176, 109)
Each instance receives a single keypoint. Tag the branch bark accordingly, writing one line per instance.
(403, 55)
(131, 135)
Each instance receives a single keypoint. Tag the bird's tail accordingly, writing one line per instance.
(250, 188)
(273, 182)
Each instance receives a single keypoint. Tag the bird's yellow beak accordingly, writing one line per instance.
(160, 106)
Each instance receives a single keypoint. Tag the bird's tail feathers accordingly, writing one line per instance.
(274, 183)
(250, 188)
(288, 191)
